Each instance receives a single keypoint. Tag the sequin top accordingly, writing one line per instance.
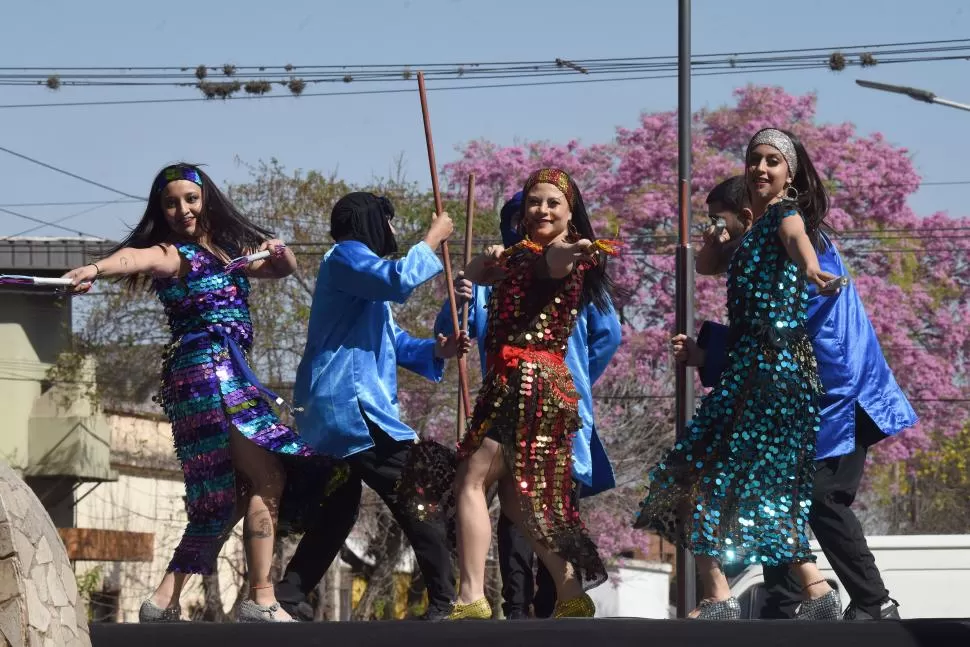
(206, 299)
(767, 294)
(530, 311)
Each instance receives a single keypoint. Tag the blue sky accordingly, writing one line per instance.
(359, 137)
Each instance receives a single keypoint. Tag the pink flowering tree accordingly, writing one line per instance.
(911, 271)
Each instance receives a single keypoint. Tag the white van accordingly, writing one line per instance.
(927, 574)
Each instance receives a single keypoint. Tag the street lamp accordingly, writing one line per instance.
(915, 93)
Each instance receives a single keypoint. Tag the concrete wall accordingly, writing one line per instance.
(636, 589)
(39, 602)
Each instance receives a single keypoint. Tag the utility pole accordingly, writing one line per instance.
(684, 385)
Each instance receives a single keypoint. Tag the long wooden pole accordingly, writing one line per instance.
(439, 208)
(469, 227)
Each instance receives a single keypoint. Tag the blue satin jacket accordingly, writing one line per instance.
(354, 347)
(851, 365)
(594, 340)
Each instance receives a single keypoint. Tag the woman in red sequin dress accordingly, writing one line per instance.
(526, 414)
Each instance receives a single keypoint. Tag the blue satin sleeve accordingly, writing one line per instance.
(604, 337)
(477, 318)
(417, 355)
(359, 272)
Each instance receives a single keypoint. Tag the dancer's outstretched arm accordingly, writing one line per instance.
(162, 261)
(360, 272)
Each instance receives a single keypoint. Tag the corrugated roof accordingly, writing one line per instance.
(41, 254)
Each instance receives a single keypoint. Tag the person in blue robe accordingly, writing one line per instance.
(346, 391)
(862, 404)
(593, 342)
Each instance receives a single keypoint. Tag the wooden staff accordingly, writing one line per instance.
(439, 208)
(469, 223)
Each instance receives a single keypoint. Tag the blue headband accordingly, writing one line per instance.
(173, 173)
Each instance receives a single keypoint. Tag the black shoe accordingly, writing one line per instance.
(290, 595)
(434, 614)
(888, 610)
(301, 612)
(517, 614)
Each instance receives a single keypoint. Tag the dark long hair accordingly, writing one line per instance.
(598, 287)
(813, 201)
(229, 231)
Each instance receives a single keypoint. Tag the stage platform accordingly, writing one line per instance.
(607, 632)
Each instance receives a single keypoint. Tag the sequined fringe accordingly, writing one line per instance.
(530, 409)
(739, 487)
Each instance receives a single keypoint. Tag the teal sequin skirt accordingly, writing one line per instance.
(738, 488)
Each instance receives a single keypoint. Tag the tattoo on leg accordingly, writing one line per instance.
(262, 529)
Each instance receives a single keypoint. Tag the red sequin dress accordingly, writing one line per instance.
(529, 404)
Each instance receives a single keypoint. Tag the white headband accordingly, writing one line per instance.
(777, 139)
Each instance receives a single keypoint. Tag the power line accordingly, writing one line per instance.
(842, 187)
(76, 203)
(648, 244)
(585, 62)
(487, 86)
(44, 223)
(54, 223)
(397, 76)
(264, 76)
(842, 235)
(69, 174)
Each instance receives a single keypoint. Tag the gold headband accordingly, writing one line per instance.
(556, 177)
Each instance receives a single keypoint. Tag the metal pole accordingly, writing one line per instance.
(686, 571)
(913, 93)
(952, 104)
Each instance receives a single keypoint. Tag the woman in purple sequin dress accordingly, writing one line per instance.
(235, 453)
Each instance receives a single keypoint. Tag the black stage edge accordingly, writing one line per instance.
(611, 632)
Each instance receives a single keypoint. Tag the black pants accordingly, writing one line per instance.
(838, 531)
(520, 589)
(380, 468)
(516, 561)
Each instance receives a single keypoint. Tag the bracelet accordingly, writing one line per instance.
(97, 268)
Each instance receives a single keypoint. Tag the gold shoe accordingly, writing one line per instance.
(581, 607)
(477, 610)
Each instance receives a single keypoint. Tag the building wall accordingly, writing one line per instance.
(147, 497)
(149, 503)
(20, 375)
(34, 329)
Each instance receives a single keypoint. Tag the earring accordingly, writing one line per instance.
(571, 228)
(791, 193)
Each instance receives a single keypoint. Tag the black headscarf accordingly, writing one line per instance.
(364, 217)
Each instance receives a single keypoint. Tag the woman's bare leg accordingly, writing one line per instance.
(474, 477)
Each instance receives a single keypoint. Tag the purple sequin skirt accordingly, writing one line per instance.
(205, 394)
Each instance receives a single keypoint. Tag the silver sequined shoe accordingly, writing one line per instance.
(151, 612)
(250, 611)
(826, 607)
(718, 610)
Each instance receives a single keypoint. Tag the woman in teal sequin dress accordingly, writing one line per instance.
(236, 455)
(738, 487)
